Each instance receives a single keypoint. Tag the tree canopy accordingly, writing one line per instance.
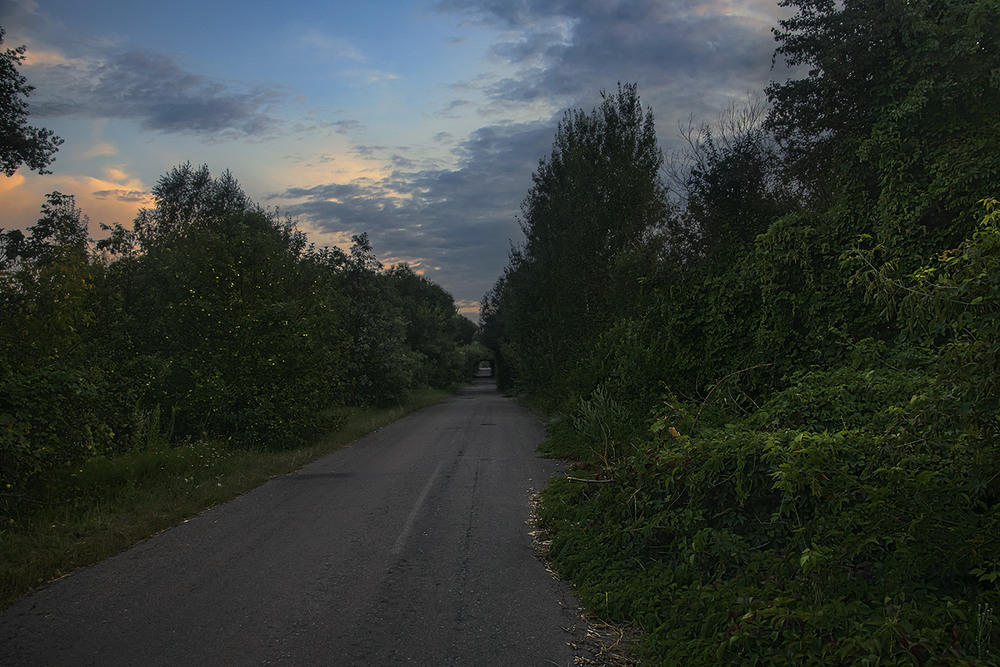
(595, 204)
(207, 318)
(20, 143)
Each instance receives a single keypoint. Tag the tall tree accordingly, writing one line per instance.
(730, 183)
(51, 393)
(20, 143)
(47, 281)
(595, 202)
(896, 116)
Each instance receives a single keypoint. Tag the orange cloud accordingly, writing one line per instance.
(48, 58)
(116, 198)
(20, 210)
(466, 307)
(324, 239)
(100, 150)
(336, 164)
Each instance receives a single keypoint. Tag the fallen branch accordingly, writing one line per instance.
(591, 481)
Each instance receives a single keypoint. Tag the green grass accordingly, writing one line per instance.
(107, 505)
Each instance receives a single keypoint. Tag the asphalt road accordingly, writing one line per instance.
(408, 547)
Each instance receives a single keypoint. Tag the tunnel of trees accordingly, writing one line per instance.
(773, 356)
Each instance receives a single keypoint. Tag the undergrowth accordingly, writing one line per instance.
(876, 543)
(851, 519)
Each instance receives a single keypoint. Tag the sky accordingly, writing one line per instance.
(419, 122)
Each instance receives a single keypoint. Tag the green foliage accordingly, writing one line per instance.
(380, 368)
(434, 329)
(209, 319)
(48, 418)
(216, 299)
(789, 546)
(849, 396)
(957, 300)
(593, 203)
(897, 116)
(50, 398)
(597, 429)
(732, 190)
(852, 519)
(819, 481)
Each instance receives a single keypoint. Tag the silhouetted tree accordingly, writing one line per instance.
(20, 143)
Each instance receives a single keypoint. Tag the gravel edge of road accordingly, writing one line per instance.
(596, 642)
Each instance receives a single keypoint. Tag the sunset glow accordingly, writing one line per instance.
(418, 122)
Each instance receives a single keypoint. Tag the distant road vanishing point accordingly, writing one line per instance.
(408, 547)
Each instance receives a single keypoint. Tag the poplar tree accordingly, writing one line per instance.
(595, 202)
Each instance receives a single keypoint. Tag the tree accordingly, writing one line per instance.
(596, 203)
(895, 118)
(52, 398)
(20, 143)
(189, 196)
(434, 329)
(46, 284)
(381, 368)
(728, 182)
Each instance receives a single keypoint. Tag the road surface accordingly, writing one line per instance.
(408, 547)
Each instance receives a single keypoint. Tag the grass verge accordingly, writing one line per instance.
(108, 504)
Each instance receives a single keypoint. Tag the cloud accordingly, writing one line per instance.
(689, 57)
(101, 149)
(347, 126)
(128, 196)
(157, 92)
(115, 198)
(50, 58)
(318, 44)
(455, 224)
(370, 75)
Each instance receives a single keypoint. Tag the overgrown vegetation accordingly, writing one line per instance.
(209, 320)
(782, 365)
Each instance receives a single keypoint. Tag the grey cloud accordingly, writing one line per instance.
(540, 45)
(368, 151)
(687, 62)
(153, 89)
(346, 126)
(510, 13)
(687, 57)
(461, 220)
(401, 162)
(122, 195)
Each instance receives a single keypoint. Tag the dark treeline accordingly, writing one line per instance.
(209, 318)
(778, 350)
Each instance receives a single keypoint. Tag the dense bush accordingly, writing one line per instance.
(208, 318)
(854, 518)
(820, 484)
(788, 547)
